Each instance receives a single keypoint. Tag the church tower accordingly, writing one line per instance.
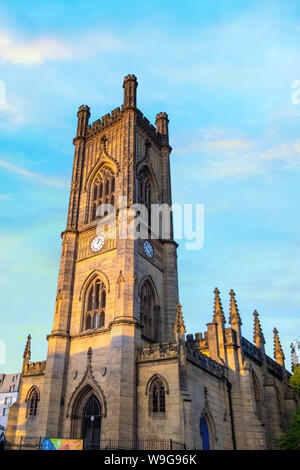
(121, 373)
(117, 291)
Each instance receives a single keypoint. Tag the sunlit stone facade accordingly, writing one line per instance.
(119, 367)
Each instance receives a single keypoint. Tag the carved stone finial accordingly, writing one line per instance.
(179, 326)
(27, 351)
(104, 142)
(120, 278)
(59, 296)
(219, 316)
(234, 317)
(258, 336)
(278, 351)
(89, 356)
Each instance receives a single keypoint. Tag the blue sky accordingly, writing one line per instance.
(223, 71)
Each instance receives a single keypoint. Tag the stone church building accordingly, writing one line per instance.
(120, 370)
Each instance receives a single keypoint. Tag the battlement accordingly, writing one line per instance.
(106, 120)
(115, 115)
(130, 76)
(198, 342)
(157, 351)
(148, 127)
(159, 133)
(35, 368)
(161, 116)
(83, 108)
(205, 362)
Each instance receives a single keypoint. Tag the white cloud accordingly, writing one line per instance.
(55, 181)
(240, 158)
(226, 146)
(32, 52)
(39, 50)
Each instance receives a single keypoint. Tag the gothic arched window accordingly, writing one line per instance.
(157, 397)
(32, 402)
(103, 190)
(147, 314)
(144, 193)
(94, 307)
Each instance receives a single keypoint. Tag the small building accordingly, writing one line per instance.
(9, 389)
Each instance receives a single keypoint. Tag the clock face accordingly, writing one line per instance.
(148, 249)
(97, 243)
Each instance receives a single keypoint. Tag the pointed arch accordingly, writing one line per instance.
(148, 278)
(82, 392)
(152, 379)
(147, 191)
(93, 274)
(146, 166)
(208, 418)
(79, 403)
(101, 191)
(206, 421)
(104, 160)
(32, 399)
(33, 388)
(149, 309)
(157, 388)
(93, 295)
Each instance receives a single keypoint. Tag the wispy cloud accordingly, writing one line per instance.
(240, 158)
(32, 52)
(10, 114)
(55, 181)
(39, 50)
(226, 146)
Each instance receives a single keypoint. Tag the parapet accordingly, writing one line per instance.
(130, 76)
(83, 108)
(157, 351)
(251, 351)
(105, 121)
(198, 342)
(205, 362)
(148, 127)
(35, 368)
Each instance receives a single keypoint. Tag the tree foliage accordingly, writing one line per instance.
(291, 438)
(294, 381)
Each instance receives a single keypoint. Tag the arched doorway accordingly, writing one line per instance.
(204, 434)
(91, 423)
